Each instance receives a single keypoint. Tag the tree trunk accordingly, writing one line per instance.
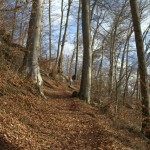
(127, 79)
(14, 20)
(77, 50)
(122, 73)
(117, 21)
(33, 44)
(64, 38)
(124, 50)
(21, 28)
(60, 32)
(50, 37)
(71, 63)
(112, 55)
(85, 87)
(142, 70)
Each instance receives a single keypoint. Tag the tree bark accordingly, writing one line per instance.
(33, 44)
(64, 38)
(77, 49)
(85, 87)
(142, 70)
(71, 63)
(21, 28)
(60, 32)
(14, 20)
(50, 37)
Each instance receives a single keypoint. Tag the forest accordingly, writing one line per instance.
(74, 74)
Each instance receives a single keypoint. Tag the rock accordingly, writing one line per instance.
(75, 94)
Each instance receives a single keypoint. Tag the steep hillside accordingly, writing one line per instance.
(60, 122)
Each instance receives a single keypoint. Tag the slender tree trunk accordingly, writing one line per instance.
(99, 22)
(125, 94)
(24, 36)
(111, 70)
(93, 38)
(121, 75)
(92, 10)
(138, 87)
(77, 50)
(142, 70)
(71, 63)
(123, 55)
(127, 79)
(64, 38)
(112, 55)
(113, 35)
(117, 83)
(21, 31)
(99, 72)
(14, 20)
(85, 87)
(50, 37)
(60, 32)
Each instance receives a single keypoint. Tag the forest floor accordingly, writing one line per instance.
(60, 122)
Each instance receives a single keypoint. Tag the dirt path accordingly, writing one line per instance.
(58, 123)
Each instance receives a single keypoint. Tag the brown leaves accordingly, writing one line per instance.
(28, 122)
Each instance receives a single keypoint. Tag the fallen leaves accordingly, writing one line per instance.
(28, 122)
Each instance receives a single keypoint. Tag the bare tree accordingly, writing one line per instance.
(85, 87)
(64, 38)
(77, 49)
(22, 28)
(33, 44)
(60, 33)
(14, 20)
(50, 36)
(142, 70)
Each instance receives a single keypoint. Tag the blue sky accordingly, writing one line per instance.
(56, 14)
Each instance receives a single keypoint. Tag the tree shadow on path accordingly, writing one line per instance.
(6, 145)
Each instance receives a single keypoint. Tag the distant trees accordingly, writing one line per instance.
(142, 70)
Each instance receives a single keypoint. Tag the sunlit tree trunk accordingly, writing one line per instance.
(77, 49)
(99, 72)
(50, 37)
(142, 70)
(33, 44)
(60, 33)
(85, 87)
(71, 63)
